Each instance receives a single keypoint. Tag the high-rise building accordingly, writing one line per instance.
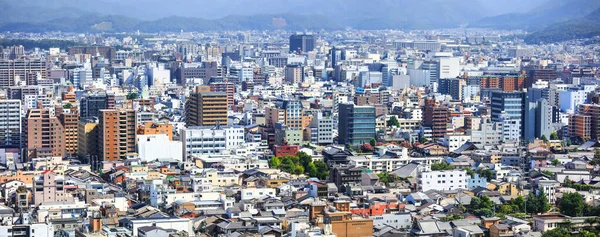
(580, 126)
(302, 43)
(356, 124)
(452, 87)
(116, 134)
(68, 119)
(91, 104)
(206, 108)
(293, 74)
(226, 87)
(25, 70)
(87, 138)
(537, 120)
(436, 117)
(509, 106)
(44, 134)
(10, 123)
(288, 112)
(103, 51)
(593, 111)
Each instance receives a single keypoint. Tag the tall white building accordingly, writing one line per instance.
(321, 129)
(205, 140)
(152, 147)
(443, 180)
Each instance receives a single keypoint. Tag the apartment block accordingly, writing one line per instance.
(116, 130)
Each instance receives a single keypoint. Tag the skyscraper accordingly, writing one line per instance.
(302, 43)
(206, 108)
(116, 134)
(356, 124)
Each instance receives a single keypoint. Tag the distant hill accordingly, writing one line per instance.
(278, 14)
(586, 27)
(554, 11)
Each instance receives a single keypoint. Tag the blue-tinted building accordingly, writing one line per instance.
(356, 124)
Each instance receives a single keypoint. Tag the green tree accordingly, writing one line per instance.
(441, 166)
(557, 232)
(68, 106)
(304, 159)
(554, 136)
(373, 142)
(422, 140)
(520, 203)
(275, 162)
(132, 96)
(586, 233)
(470, 171)
(487, 173)
(571, 204)
(393, 121)
(483, 212)
(299, 169)
(542, 202)
(532, 204)
(385, 177)
(544, 138)
(322, 170)
(312, 170)
(555, 162)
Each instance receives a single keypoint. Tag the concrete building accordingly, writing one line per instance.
(158, 146)
(302, 42)
(44, 134)
(69, 120)
(91, 104)
(87, 137)
(227, 87)
(10, 123)
(205, 108)
(356, 124)
(26, 71)
(116, 130)
(294, 74)
(436, 117)
(49, 188)
(443, 180)
(206, 140)
(289, 112)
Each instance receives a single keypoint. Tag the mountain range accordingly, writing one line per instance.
(203, 15)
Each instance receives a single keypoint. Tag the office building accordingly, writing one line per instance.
(44, 134)
(294, 74)
(10, 123)
(116, 131)
(593, 111)
(288, 112)
(356, 124)
(443, 180)
(91, 104)
(452, 87)
(27, 71)
(206, 108)
(511, 104)
(302, 43)
(103, 51)
(204, 140)
(537, 120)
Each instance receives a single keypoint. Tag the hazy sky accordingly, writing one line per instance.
(153, 9)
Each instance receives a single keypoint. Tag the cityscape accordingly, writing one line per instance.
(143, 118)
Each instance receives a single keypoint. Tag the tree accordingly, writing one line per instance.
(520, 203)
(555, 162)
(373, 142)
(132, 96)
(422, 140)
(385, 177)
(322, 170)
(367, 148)
(487, 173)
(393, 121)
(304, 159)
(532, 204)
(68, 106)
(299, 169)
(554, 136)
(544, 138)
(470, 171)
(556, 232)
(312, 170)
(542, 202)
(441, 166)
(571, 204)
(274, 162)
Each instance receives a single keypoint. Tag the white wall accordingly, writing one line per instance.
(152, 147)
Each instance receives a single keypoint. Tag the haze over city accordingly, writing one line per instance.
(300, 118)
